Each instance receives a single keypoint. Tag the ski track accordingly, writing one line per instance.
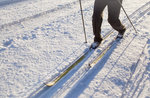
(38, 13)
(117, 75)
(58, 8)
(16, 41)
(139, 76)
(67, 85)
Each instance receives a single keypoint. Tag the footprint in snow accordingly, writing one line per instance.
(2, 49)
(7, 43)
(27, 37)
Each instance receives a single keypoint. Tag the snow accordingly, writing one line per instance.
(40, 38)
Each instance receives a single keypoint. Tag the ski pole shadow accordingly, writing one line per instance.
(135, 76)
(113, 66)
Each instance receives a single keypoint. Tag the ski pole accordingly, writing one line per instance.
(83, 21)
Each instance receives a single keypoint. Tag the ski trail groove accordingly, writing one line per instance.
(7, 2)
(82, 71)
(133, 68)
(59, 8)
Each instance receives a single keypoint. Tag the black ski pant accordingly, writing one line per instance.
(113, 16)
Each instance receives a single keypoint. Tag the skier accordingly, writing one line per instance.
(113, 18)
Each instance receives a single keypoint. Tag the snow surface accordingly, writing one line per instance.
(40, 38)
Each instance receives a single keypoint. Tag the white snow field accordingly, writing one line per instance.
(40, 38)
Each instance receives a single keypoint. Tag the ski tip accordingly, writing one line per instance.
(50, 84)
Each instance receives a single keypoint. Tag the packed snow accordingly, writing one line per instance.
(40, 38)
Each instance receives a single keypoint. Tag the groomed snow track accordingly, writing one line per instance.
(76, 75)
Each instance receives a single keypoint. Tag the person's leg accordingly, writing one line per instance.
(113, 16)
(97, 18)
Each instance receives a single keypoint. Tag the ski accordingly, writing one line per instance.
(74, 63)
(104, 51)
